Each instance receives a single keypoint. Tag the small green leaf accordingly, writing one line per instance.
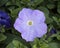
(58, 7)
(14, 13)
(36, 2)
(34, 46)
(50, 6)
(2, 2)
(58, 37)
(49, 20)
(13, 2)
(56, 20)
(44, 45)
(16, 43)
(10, 45)
(2, 37)
(2, 29)
(53, 45)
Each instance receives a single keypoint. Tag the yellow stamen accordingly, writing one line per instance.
(29, 23)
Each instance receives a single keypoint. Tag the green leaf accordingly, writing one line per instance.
(2, 37)
(15, 44)
(50, 6)
(44, 45)
(18, 3)
(35, 43)
(11, 2)
(40, 43)
(8, 3)
(34, 46)
(53, 45)
(14, 2)
(56, 20)
(36, 2)
(58, 37)
(58, 8)
(25, 1)
(2, 2)
(11, 38)
(2, 29)
(49, 20)
(14, 13)
(10, 45)
(30, 3)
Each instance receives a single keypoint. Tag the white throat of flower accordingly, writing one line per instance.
(29, 22)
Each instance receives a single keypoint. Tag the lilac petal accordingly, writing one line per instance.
(20, 25)
(38, 16)
(25, 13)
(41, 29)
(17, 25)
(29, 35)
(38, 27)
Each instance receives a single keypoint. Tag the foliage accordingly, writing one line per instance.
(10, 38)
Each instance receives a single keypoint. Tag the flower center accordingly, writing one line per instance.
(29, 23)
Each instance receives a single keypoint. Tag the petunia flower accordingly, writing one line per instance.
(53, 31)
(4, 19)
(31, 24)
